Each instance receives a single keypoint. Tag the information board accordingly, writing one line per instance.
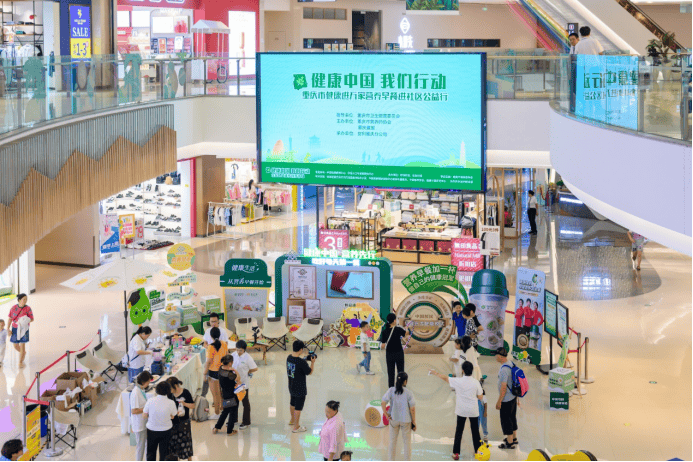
(80, 32)
(413, 120)
(333, 239)
(550, 301)
(466, 254)
(562, 320)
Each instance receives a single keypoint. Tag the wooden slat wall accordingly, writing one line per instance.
(41, 203)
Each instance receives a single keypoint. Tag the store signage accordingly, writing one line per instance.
(405, 40)
(80, 32)
(572, 28)
(466, 254)
(529, 315)
(181, 257)
(606, 89)
(245, 272)
(429, 316)
(489, 240)
(333, 239)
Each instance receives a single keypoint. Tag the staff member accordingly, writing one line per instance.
(137, 352)
(532, 212)
(20, 326)
(392, 336)
(214, 322)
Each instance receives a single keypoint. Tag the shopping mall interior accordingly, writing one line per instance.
(435, 187)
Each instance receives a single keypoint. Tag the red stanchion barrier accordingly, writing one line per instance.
(35, 401)
(83, 348)
(54, 363)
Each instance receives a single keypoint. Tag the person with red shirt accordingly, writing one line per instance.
(519, 313)
(537, 318)
(20, 310)
(529, 318)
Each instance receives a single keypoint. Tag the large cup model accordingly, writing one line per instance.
(489, 292)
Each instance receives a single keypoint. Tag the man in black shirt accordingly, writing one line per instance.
(391, 336)
(297, 369)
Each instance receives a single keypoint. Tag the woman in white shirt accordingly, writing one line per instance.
(138, 399)
(137, 351)
(468, 353)
(159, 413)
(468, 392)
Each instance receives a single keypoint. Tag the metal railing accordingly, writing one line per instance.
(38, 90)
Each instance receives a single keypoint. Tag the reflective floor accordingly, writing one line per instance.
(639, 325)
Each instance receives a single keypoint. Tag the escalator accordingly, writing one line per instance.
(619, 25)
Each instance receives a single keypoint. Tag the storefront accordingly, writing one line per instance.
(154, 31)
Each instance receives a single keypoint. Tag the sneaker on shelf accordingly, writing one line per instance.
(138, 197)
(119, 196)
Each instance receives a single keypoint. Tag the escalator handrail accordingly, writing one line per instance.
(646, 21)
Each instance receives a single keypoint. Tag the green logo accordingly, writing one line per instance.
(300, 81)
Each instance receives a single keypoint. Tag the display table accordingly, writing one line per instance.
(421, 247)
(188, 372)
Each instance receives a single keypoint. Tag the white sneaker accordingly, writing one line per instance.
(213, 417)
(243, 427)
(358, 368)
(370, 373)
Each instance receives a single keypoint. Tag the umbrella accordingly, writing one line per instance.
(122, 274)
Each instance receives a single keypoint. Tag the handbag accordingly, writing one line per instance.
(227, 403)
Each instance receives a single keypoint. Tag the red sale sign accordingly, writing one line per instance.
(333, 239)
(466, 254)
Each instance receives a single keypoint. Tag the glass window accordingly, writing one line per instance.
(340, 13)
(307, 13)
(329, 13)
(317, 13)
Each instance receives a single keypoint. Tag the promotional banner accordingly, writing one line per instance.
(180, 257)
(435, 278)
(80, 32)
(245, 272)
(466, 254)
(333, 239)
(33, 434)
(242, 42)
(109, 234)
(126, 228)
(409, 120)
(245, 303)
(529, 315)
(606, 89)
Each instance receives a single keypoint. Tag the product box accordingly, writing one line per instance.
(211, 304)
(444, 246)
(64, 403)
(91, 393)
(188, 313)
(169, 320)
(561, 380)
(71, 380)
(100, 385)
(392, 243)
(426, 246)
(409, 244)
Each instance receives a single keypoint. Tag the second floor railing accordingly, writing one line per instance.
(38, 90)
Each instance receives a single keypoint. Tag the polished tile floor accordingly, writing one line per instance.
(639, 325)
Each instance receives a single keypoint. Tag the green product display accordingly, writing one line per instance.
(561, 380)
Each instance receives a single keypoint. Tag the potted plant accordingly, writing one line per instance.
(658, 50)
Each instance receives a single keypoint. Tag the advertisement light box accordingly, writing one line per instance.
(409, 120)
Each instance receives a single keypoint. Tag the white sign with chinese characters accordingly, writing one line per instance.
(406, 41)
(490, 240)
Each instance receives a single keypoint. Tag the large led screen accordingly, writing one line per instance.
(409, 120)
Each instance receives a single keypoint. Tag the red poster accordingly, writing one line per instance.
(466, 254)
(333, 239)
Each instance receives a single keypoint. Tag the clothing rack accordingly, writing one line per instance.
(284, 210)
(227, 231)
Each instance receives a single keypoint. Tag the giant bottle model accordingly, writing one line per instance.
(489, 292)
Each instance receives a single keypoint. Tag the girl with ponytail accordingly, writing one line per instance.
(215, 352)
(401, 416)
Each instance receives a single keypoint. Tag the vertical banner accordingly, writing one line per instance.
(242, 42)
(33, 434)
(529, 315)
(109, 235)
(126, 228)
(80, 32)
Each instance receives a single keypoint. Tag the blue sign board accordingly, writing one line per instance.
(606, 89)
(80, 32)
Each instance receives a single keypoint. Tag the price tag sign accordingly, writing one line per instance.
(333, 239)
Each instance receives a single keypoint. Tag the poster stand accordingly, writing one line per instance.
(543, 368)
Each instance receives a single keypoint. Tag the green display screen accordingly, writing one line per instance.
(397, 120)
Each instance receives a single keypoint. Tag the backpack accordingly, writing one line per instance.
(199, 414)
(520, 385)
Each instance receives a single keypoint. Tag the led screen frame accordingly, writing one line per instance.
(547, 295)
(433, 186)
